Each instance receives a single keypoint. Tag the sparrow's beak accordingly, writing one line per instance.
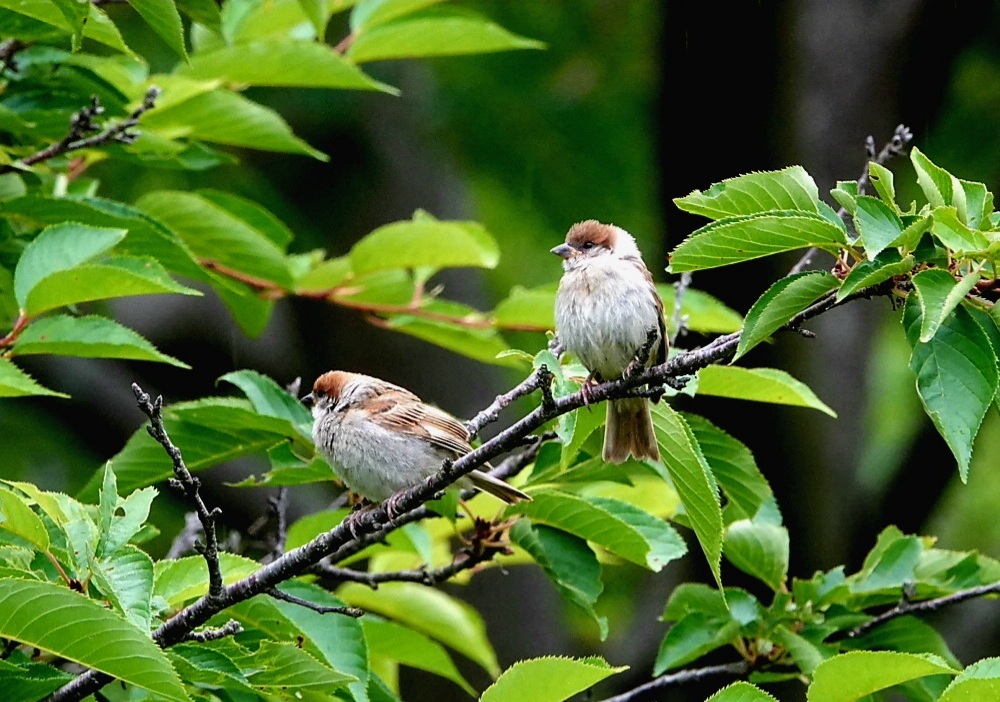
(563, 250)
(308, 400)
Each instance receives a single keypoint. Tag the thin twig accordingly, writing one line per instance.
(900, 138)
(465, 560)
(542, 377)
(322, 609)
(82, 123)
(937, 603)
(188, 484)
(683, 676)
(230, 628)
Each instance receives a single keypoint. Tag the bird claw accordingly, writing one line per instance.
(391, 507)
(632, 368)
(585, 389)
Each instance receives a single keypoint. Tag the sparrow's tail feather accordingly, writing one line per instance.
(629, 431)
(496, 487)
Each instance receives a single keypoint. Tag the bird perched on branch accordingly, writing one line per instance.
(381, 438)
(607, 312)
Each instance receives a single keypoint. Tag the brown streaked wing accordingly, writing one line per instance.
(417, 419)
(661, 351)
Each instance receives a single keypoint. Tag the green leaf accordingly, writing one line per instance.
(758, 548)
(692, 637)
(14, 382)
(87, 337)
(281, 63)
(341, 642)
(435, 32)
(527, 308)
(549, 679)
(120, 276)
(18, 518)
(877, 223)
(370, 13)
(568, 562)
(980, 681)
(954, 234)
(325, 277)
(788, 189)
(732, 465)
(284, 666)
(162, 17)
(146, 236)
(939, 294)
(693, 481)
(181, 580)
(886, 265)
(759, 385)
(617, 526)
(806, 653)
(737, 239)
(846, 195)
(908, 634)
(480, 344)
(882, 180)
(408, 647)
(67, 624)
(126, 579)
(252, 214)
(956, 377)
(741, 691)
(224, 117)
(318, 12)
(30, 681)
(425, 242)
(60, 247)
(852, 675)
(269, 398)
(703, 313)
(932, 179)
(782, 301)
(431, 612)
(916, 226)
(200, 666)
(215, 234)
(204, 12)
(97, 27)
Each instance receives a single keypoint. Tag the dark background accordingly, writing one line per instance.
(632, 104)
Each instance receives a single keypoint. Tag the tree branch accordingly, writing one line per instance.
(937, 603)
(188, 484)
(371, 526)
(542, 377)
(82, 123)
(322, 609)
(683, 676)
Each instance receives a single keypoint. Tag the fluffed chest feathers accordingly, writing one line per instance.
(603, 314)
(357, 449)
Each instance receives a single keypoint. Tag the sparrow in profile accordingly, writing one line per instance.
(380, 438)
(606, 307)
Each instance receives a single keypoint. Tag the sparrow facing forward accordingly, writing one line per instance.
(606, 306)
(380, 438)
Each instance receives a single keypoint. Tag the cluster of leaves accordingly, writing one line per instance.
(938, 260)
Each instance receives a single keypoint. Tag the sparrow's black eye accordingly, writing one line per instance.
(588, 245)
